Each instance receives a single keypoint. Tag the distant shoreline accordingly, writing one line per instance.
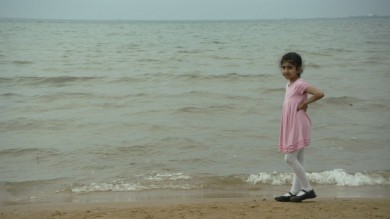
(189, 20)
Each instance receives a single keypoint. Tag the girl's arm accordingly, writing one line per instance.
(316, 95)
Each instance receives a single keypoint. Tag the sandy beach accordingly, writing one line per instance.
(207, 208)
(332, 202)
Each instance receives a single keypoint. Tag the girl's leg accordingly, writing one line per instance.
(296, 185)
(300, 181)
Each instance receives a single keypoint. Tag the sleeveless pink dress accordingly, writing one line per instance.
(295, 128)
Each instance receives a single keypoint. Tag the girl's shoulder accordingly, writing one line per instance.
(297, 83)
(301, 81)
(300, 86)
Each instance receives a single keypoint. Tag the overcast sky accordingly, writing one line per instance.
(189, 9)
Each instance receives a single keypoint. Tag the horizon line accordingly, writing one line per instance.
(226, 19)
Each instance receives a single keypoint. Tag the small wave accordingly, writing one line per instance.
(69, 95)
(207, 109)
(148, 60)
(164, 176)
(199, 93)
(5, 80)
(126, 187)
(312, 65)
(332, 177)
(22, 62)
(228, 76)
(144, 182)
(108, 187)
(344, 100)
(190, 110)
(272, 90)
(31, 124)
(29, 151)
(57, 81)
(125, 151)
(217, 42)
(381, 105)
(129, 79)
(62, 80)
(189, 51)
(338, 50)
(218, 57)
(377, 42)
(10, 95)
(32, 185)
(318, 53)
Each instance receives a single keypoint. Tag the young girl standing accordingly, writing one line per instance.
(295, 126)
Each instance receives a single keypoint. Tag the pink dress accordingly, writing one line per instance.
(295, 128)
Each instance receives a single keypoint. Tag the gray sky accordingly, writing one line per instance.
(189, 9)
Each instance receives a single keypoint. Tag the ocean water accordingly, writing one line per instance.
(132, 106)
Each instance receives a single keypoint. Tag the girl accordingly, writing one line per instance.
(295, 126)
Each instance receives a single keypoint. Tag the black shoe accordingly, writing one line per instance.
(306, 195)
(284, 198)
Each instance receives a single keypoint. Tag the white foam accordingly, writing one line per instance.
(165, 176)
(104, 187)
(127, 187)
(145, 182)
(332, 177)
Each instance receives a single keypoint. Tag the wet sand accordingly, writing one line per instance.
(206, 208)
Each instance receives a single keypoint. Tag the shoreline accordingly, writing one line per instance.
(230, 202)
(207, 208)
(166, 195)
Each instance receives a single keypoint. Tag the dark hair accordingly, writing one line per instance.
(294, 59)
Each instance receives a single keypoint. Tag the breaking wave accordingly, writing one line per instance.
(337, 177)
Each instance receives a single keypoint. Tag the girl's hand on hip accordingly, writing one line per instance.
(302, 106)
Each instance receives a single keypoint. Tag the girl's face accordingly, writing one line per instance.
(290, 71)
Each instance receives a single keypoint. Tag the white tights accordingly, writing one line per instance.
(300, 181)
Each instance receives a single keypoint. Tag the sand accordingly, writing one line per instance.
(206, 208)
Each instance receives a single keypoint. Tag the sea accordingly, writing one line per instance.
(93, 108)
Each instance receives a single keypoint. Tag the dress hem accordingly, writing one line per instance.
(295, 147)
